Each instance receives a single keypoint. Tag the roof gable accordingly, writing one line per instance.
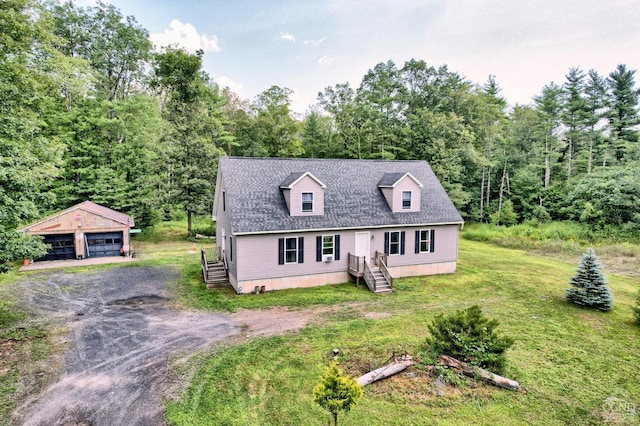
(90, 207)
(296, 177)
(390, 180)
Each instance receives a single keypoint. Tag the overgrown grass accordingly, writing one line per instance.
(617, 250)
(568, 360)
(22, 346)
(176, 230)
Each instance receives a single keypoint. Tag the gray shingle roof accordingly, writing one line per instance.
(389, 179)
(352, 198)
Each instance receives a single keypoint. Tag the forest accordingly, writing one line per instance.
(91, 110)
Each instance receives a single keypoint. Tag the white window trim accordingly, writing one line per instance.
(294, 250)
(333, 246)
(410, 200)
(302, 202)
(428, 231)
(398, 243)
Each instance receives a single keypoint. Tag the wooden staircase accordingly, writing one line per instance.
(381, 283)
(214, 272)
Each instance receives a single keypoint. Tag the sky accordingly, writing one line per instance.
(308, 45)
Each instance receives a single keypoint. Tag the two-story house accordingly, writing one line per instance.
(285, 223)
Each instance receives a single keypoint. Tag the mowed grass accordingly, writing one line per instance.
(568, 360)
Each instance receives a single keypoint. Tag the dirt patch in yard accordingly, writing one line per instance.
(122, 328)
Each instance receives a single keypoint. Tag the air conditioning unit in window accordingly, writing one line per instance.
(328, 257)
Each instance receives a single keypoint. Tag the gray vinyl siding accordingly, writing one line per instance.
(223, 223)
(257, 255)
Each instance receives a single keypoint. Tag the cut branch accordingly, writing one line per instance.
(471, 371)
(392, 369)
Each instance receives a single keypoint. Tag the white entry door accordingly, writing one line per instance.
(363, 241)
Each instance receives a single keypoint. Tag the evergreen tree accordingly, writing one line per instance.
(336, 392)
(623, 112)
(636, 309)
(589, 286)
(595, 96)
(574, 116)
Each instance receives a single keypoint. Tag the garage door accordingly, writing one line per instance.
(104, 244)
(61, 247)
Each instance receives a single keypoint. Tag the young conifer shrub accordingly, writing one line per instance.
(589, 287)
(469, 336)
(336, 391)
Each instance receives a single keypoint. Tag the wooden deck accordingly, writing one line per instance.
(376, 276)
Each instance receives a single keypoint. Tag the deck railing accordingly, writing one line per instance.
(380, 257)
(369, 278)
(356, 264)
(387, 275)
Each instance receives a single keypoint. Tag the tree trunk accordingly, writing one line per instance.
(487, 376)
(570, 160)
(481, 218)
(335, 419)
(386, 371)
(547, 164)
(189, 224)
(501, 192)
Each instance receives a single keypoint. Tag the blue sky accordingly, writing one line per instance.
(307, 45)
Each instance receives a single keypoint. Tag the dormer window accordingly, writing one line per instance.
(406, 200)
(304, 194)
(401, 191)
(307, 202)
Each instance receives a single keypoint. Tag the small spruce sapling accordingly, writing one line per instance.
(336, 391)
(589, 287)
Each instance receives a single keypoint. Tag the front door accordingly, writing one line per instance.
(363, 241)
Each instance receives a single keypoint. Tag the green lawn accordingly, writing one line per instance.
(568, 360)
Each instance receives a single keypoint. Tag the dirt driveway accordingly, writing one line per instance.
(121, 333)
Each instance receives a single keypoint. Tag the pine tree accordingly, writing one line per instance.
(589, 285)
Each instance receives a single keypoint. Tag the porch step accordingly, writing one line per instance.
(382, 285)
(216, 276)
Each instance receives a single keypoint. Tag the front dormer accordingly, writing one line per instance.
(402, 192)
(304, 194)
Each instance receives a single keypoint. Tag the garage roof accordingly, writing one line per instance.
(90, 207)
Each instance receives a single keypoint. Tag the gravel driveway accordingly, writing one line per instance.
(121, 333)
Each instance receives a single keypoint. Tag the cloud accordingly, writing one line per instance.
(287, 36)
(314, 43)
(185, 35)
(327, 60)
(224, 81)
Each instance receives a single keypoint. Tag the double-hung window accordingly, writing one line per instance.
(394, 243)
(327, 248)
(307, 202)
(327, 245)
(406, 200)
(424, 241)
(291, 250)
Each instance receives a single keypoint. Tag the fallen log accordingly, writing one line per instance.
(471, 371)
(387, 371)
